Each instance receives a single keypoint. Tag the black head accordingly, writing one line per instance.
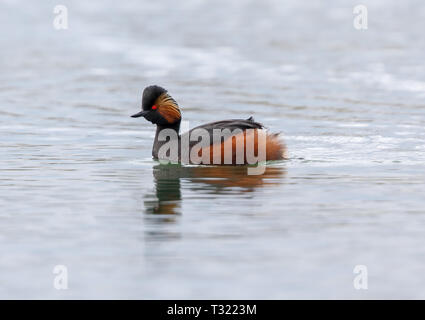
(159, 107)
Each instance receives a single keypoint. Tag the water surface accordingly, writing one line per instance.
(79, 188)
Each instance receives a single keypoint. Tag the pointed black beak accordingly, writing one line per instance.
(140, 114)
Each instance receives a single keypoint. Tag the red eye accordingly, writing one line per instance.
(154, 107)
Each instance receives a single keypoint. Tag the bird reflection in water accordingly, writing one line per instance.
(203, 179)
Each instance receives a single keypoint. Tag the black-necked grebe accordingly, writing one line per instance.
(161, 109)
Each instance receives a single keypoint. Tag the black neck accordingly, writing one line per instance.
(157, 144)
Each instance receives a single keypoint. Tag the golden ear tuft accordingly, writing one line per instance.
(168, 108)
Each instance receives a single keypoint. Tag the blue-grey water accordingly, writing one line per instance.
(78, 186)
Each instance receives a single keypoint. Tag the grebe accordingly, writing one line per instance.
(161, 109)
